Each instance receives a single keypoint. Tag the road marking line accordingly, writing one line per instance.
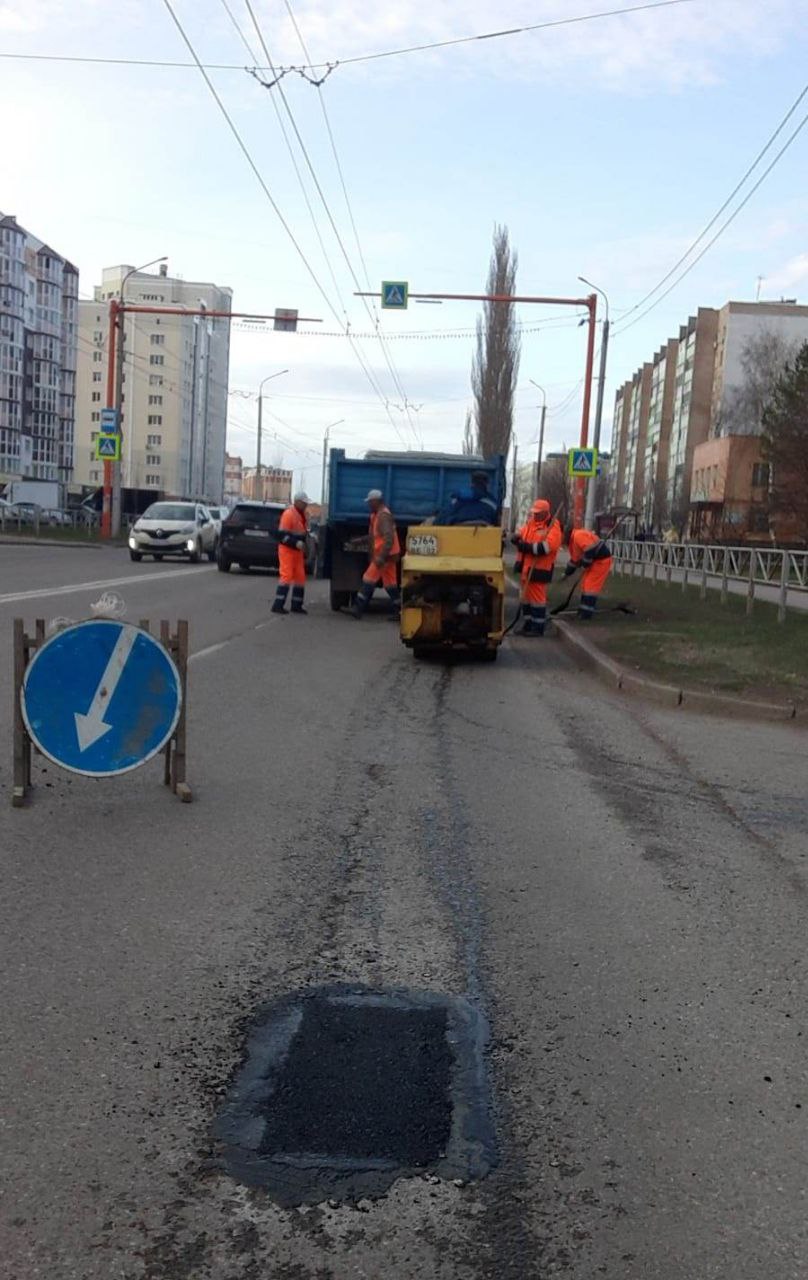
(203, 653)
(132, 580)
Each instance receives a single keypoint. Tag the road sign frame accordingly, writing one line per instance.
(403, 287)
(115, 456)
(592, 469)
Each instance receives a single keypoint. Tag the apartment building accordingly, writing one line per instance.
(273, 485)
(620, 425)
(658, 435)
(634, 473)
(233, 478)
(38, 299)
(175, 381)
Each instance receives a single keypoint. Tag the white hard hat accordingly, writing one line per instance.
(375, 495)
(301, 497)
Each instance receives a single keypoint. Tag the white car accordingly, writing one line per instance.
(174, 529)
(218, 514)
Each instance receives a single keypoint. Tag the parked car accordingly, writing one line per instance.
(218, 515)
(174, 529)
(26, 512)
(249, 536)
(54, 516)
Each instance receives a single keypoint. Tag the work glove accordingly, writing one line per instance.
(516, 541)
(571, 568)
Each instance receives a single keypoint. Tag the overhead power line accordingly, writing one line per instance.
(726, 223)
(344, 62)
(704, 231)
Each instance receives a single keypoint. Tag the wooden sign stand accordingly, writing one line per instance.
(25, 646)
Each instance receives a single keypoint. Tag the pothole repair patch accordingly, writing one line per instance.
(344, 1090)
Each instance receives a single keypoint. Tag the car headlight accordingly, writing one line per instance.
(133, 542)
(191, 545)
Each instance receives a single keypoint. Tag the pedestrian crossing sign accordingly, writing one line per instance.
(583, 462)
(108, 447)
(395, 295)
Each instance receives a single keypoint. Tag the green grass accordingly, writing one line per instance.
(50, 533)
(678, 638)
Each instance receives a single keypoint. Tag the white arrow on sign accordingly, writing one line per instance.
(90, 728)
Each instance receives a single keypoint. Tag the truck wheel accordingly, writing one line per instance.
(135, 555)
(339, 600)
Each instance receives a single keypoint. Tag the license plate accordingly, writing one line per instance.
(256, 533)
(422, 544)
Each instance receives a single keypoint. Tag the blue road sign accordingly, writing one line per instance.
(395, 295)
(583, 462)
(101, 698)
(108, 448)
(109, 420)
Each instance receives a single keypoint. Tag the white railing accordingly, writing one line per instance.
(714, 567)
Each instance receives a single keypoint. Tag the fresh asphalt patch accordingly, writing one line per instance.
(344, 1090)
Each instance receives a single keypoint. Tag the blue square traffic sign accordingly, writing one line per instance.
(583, 462)
(395, 294)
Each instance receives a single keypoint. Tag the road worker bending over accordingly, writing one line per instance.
(537, 544)
(592, 554)
(385, 553)
(292, 532)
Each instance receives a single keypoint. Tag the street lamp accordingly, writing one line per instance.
(589, 519)
(268, 378)
(541, 431)
(325, 456)
(117, 314)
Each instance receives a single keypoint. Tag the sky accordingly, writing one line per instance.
(604, 146)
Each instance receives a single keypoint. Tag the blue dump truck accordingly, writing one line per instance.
(416, 486)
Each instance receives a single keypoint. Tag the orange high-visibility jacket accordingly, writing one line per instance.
(384, 543)
(586, 547)
(540, 543)
(293, 528)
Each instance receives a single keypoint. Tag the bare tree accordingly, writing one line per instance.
(496, 360)
(785, 442)
(556, 487)
(763, 360)
(469, 435)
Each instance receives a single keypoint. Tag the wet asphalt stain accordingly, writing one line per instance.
(344, 1090)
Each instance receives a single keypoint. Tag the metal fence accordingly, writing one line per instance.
(34, 522)
(714, 567)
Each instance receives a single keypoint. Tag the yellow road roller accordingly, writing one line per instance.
(453, 590)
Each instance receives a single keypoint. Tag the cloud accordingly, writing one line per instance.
(674, 47)
(789, 276)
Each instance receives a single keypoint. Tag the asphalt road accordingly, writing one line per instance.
(622, 891)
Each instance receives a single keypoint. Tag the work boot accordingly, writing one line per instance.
(279, 602)
(277, 607)
(297, 600)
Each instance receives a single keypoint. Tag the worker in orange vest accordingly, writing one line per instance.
(292, 534)
(592, 554)
(537, 544)
(385, 552)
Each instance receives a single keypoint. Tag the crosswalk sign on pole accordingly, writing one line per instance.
(395, 295)
(583, 462)
(108, 447)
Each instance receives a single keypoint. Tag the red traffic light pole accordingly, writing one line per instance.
(115, 358)
(591, 304)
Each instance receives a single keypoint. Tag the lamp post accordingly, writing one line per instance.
(325, 458)
(261, 384)
(604, 349)
(541, 431)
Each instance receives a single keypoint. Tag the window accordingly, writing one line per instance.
(152, 440)
(155, 419)
(152, 480)
(98, 336)
(155, 380)
(96, 397)
(95, 476)
(98, 356)
(152, 459)
(158, 339)
(97, 375)
(760, 475)
(157, 359)
(95, 417)
(155, 399)
(93, 436)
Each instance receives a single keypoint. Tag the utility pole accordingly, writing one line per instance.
(206, 357)
(268, 378)
(192, 433)
(541, 433)
(513, 488)
(589, 521)
(325, 459)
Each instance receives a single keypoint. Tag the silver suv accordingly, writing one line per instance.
(174, 529)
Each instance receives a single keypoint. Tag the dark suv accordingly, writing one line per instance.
(249, 536)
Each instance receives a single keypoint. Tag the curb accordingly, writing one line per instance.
(590, 656)
(7, 540)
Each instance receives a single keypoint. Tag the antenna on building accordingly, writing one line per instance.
(760, 280)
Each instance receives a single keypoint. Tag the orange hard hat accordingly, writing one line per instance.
(541, 510)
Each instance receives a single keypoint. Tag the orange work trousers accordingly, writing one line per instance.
(594, 579)
(386, 576)
(292, 565)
